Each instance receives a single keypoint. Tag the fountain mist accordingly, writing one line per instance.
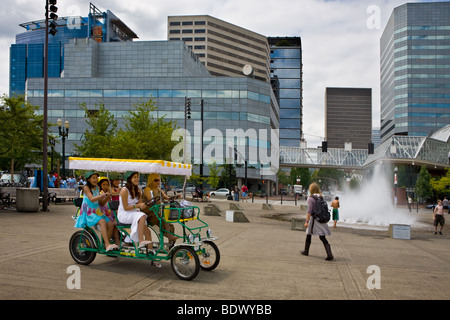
(372, 204)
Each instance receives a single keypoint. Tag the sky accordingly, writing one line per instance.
(340, 38)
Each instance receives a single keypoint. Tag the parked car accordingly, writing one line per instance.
(222, 192)
(6, 178)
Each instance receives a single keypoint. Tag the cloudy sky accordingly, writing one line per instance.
(340, 38)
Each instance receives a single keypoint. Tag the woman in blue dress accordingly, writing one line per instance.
(91, 212)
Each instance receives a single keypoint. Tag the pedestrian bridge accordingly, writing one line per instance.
(432, 151)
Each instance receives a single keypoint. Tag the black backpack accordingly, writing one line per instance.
(320, 211)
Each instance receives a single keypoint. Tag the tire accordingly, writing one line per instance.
(83, 239)
(185, 263)
(209, 256)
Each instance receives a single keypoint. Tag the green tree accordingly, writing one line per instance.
(283, 178)
(214, 175)
(328, 177)
(304, 174)
(144, 136)
(441, 186)
(100, 136)
(423, 184)
(21, 132)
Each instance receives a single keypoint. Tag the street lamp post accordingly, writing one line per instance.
(63, 133)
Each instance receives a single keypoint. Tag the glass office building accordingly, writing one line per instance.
(120, 74)
(27, 54)
(286, 78)
(415, 70)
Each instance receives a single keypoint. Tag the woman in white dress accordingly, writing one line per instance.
(129, 212)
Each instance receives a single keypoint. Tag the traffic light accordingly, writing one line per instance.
(371, 148)
(324, 146)
(187, 107)
(53, 9)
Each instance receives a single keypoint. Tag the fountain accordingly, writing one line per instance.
(371, 206)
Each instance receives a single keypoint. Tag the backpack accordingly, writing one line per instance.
(320, 211)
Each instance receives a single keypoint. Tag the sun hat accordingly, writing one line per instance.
(115, 176)
(88, 174)
(128, 174)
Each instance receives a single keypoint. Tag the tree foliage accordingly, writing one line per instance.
(100, 134)
(423, 183)
(441, 186)
(214, 175)
(144, 136)
(21, 132)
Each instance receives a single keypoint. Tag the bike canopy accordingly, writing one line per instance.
(122, 165)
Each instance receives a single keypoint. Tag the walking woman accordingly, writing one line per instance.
(313, 227)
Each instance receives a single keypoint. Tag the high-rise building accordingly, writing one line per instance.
(222, 47)
(286, 77)
(415, 70)
(348, 117)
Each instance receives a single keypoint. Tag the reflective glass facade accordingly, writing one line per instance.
(111, 73)
(415, 72)
(27, 55)
(286, 76)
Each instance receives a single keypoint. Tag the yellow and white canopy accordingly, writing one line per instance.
(122, 165)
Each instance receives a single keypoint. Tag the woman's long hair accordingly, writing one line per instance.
(150, 180)
(132, 189)
(90, 186)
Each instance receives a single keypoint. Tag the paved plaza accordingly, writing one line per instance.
(260, 260)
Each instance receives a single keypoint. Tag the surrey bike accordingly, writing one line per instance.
(194, 250)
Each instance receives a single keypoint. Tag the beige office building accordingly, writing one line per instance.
(222, 47)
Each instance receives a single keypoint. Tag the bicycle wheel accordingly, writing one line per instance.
(185, 263)
(209, 256)
(82, 240)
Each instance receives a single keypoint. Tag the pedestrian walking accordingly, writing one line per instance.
(313, 227)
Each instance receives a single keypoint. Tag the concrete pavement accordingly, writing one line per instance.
(260, 260)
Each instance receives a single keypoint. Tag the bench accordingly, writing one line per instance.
(7, 196)
(57, 195)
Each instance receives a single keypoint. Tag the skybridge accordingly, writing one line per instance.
(432, 151)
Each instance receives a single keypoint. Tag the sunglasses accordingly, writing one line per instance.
(156, 180)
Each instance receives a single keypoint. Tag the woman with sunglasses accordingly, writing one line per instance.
(152, 191)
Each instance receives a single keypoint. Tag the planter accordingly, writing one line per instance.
(27, 199)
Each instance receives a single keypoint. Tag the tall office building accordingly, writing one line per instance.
(415, 70)
(348, 117)
(222, 47)
(27, 54)
(286, 76)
